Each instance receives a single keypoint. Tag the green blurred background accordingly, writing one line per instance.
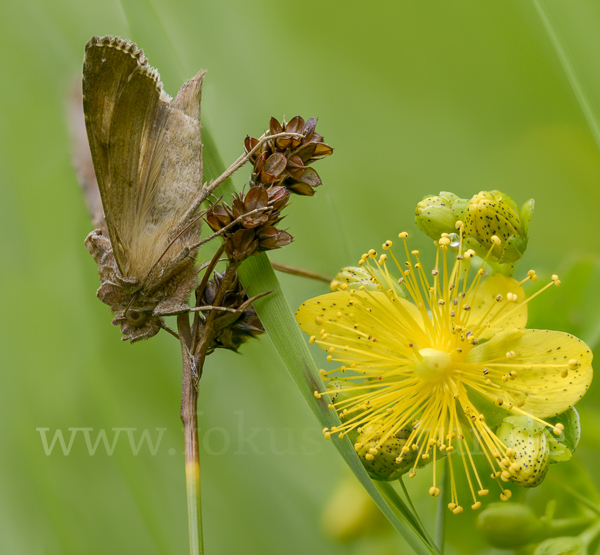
(416, 97)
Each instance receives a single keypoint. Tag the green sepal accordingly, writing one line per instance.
(562, 546)
(562, 447)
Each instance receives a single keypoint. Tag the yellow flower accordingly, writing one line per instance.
(425, 370)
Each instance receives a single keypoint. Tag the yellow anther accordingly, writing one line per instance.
(318, 320)
(331, 349)
(458, 224)
(412, 474)
(382, 258)
(560, 426)
(312, 338)
(329, 358)
(457, 510)
(334, 285)
(483, 492)
(414, 252)
(573, 364)
(476, 505)
(344, 286)
(369, 457)
(564, 373)
(317, 395)
(433, 491)
(556, 431)
(495, 239)
(372, 253)
(510, 355)
(403, 235)
(444, 241)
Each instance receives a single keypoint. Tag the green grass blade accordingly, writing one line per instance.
(569, 69)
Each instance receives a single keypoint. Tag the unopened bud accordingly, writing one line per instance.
(390, 460)
(528, 440)
(494, 214)
(438, 214)
(509, 525)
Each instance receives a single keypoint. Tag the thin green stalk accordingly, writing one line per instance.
(440, 516)
(189, 417)
(570, 72)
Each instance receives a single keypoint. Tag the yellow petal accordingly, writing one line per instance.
(363, 326)
(487, 298)
(540, 358)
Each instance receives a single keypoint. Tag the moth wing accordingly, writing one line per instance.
(147, 153)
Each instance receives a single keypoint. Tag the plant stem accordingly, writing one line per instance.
(189, 417)
(440, 519)
(300, 272)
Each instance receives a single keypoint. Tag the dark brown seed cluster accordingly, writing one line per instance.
(285, 161)
(231, 328)
(252, 218)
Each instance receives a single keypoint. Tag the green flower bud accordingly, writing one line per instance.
(561, 546)
(527, 461)
(438, 214)
(493, 213)
(389, 460)
(350, 513)
(509, 525)
(340, 391)
(356, 277)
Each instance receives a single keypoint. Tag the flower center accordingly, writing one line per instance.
(434, 366)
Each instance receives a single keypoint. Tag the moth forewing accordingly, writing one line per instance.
(147, 155)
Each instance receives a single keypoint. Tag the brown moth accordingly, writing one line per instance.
(147, 155)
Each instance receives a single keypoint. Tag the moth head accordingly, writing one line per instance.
(136, 318)
(137, 324)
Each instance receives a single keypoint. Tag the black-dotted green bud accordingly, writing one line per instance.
(358, 277)
(342, 392)
(438, 214)
(386, 460)
(492, 221)
(509, 525)
(353, 277)
(562, 546)
(528, 451)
